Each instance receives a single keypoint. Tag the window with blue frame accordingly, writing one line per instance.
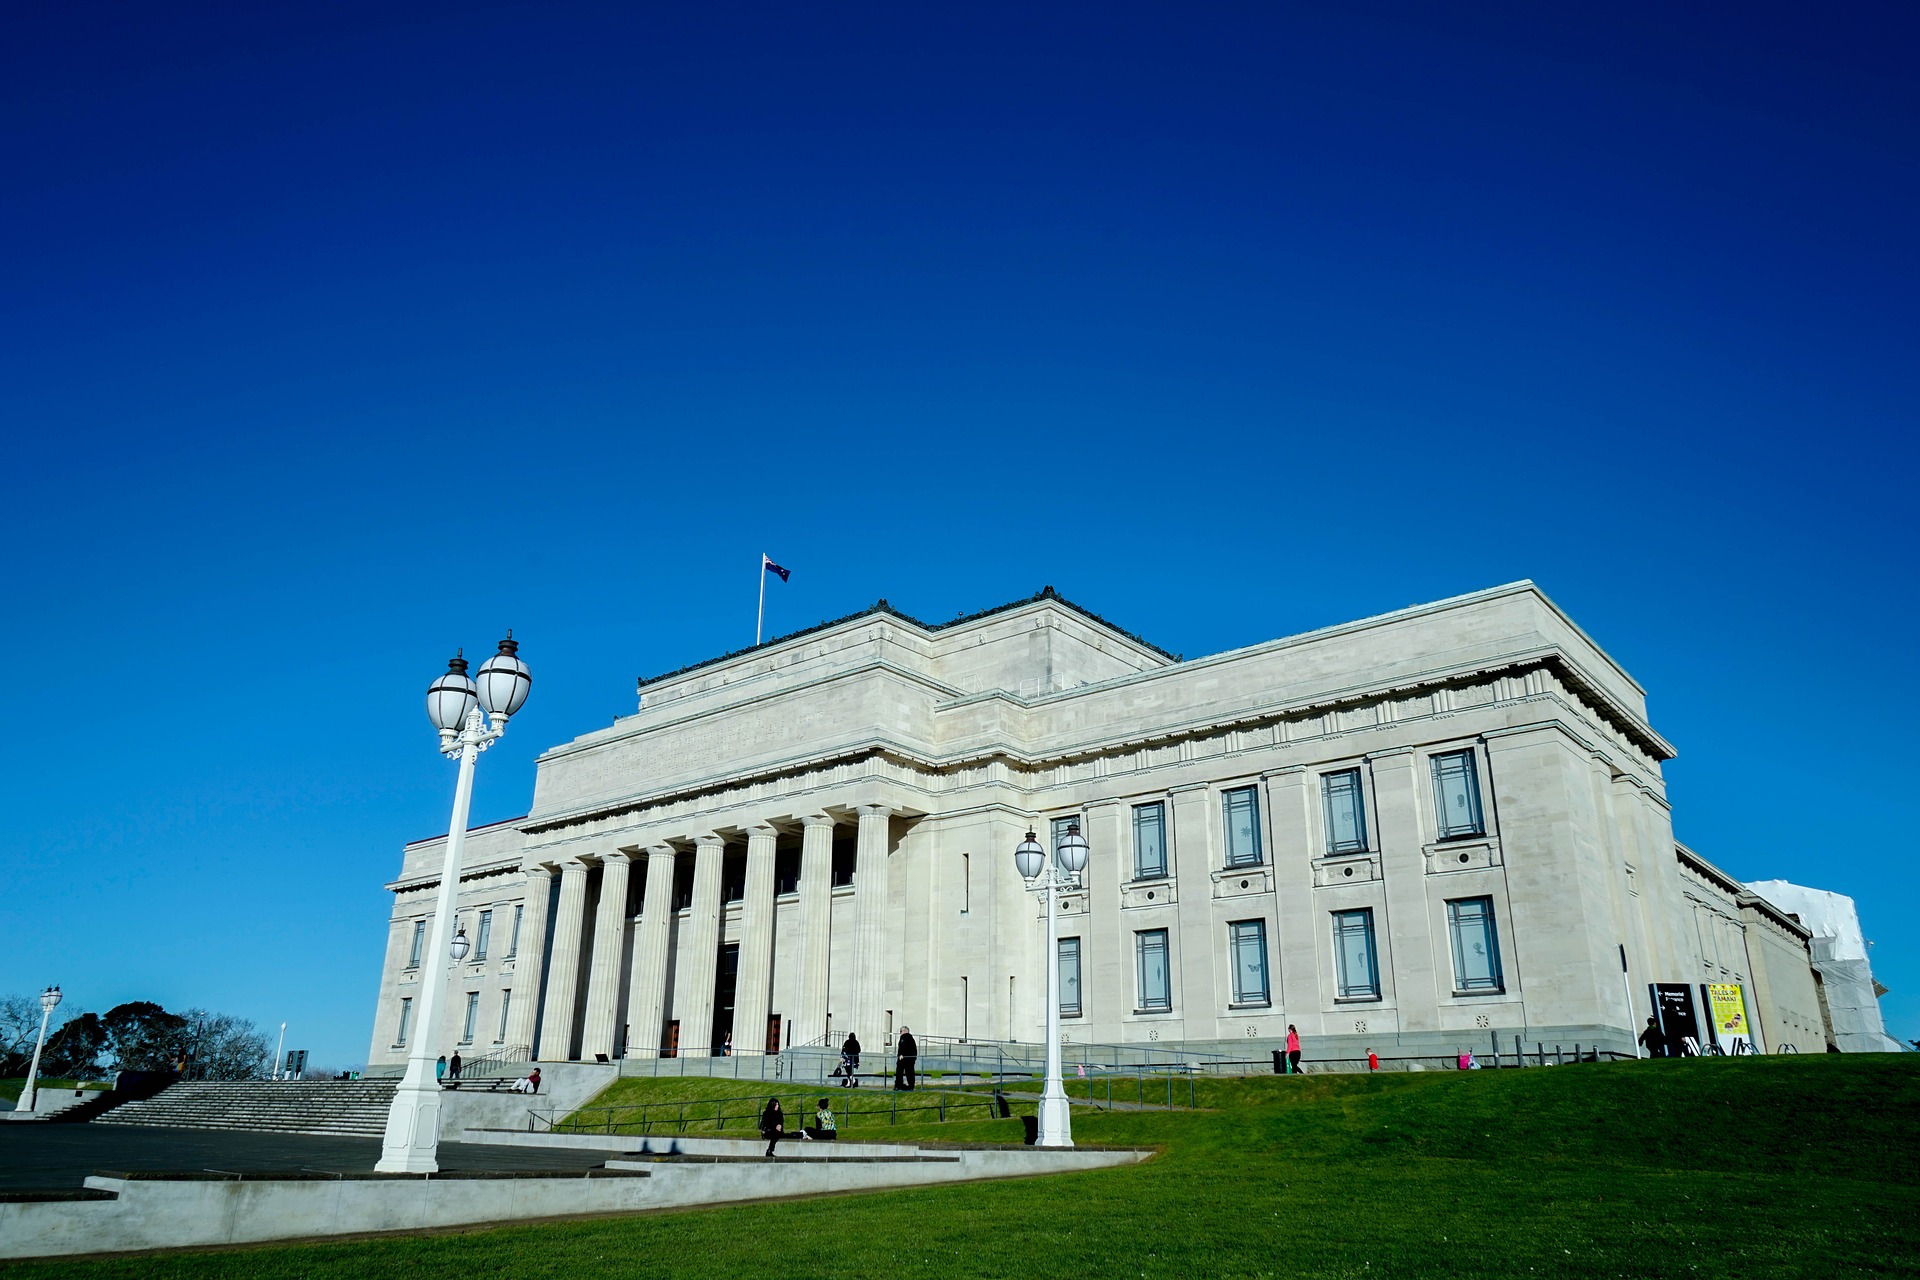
(419, 941)
(1156, 986)
(483, 935)
(1242, 809)
(1149, 841)
(406, 1019)
(1069, 977)
(1356, 968)
(1456, 795)
(1248, 940)
(1476, 945)
(1346, 811)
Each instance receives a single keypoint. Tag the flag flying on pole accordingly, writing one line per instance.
(774, 568)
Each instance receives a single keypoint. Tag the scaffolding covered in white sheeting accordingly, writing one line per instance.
(1850, 996)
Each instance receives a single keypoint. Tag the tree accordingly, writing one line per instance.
(223, 1047)
(74, 1051)
(20, 1027)
(144, 1037)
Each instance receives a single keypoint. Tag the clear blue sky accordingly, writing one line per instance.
(331, 339)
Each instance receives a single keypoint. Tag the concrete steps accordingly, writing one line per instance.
(338, 1108)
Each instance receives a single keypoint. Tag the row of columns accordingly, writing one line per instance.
(648, 998)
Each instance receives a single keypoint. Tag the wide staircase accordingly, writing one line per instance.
(340, 1108)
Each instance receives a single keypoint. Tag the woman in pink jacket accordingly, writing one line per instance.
(1293, 1050)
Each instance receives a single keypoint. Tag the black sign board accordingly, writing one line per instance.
(1679, 1022)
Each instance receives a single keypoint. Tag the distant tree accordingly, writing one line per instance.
(141, 1036)
(20, 1027)
(74, 1051)
(220, 1046)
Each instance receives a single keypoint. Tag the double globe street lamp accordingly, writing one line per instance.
(454, 704)
(49, 1001)
(1070, 859)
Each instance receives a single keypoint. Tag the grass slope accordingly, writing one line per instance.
(1775, 1166)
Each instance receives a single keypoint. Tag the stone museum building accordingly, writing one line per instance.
(1411, 833)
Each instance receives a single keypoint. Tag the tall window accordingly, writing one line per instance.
(506, 1003)
(733, 879)
(1456, 795)
(483, 934)
(1476, 946)
(419, 942)
(1346, 812)
(846, 856)
(1358, 971)
(513, 939)
(406, 1017)
(1070, 977)
(966, 883)
(786, 871)
(473, 1016)
(1156, 988)
(1243, 827)
(1248, 939)
(1149, 841)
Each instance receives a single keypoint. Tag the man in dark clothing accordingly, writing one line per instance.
(453, 1068)
(904, 1061)
(1652, 1039)
(850, 1061)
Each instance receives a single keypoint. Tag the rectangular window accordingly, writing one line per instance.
(419, 943)
(506, 1003)
(846, 856)
(1243, 827)
(1070, 977)
(406, 1016)
(786, 873)
(1149, 841)
(1248, 939)
(1476, 946)
(966, 883)
(473, 1016)
(733, 878)
(513, 939)
(1358, 971)
(1346, 812)
(482, 935)
(1156, 988)
(1456, 795)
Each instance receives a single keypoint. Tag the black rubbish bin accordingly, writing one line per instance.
(1032, 1126)
(1279, 1063)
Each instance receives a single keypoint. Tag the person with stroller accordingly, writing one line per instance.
(850, 1062)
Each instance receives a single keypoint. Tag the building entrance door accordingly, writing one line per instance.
(671, 1047)
(724, 983)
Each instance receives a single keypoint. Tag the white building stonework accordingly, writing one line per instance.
(1410, 833)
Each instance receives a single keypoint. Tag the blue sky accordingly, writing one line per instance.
(331, 339)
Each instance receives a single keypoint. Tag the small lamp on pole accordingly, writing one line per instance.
(29, 1093)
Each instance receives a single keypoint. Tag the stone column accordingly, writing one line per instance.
(647, 996)
(870, 925)
(753, 990)
(1416, 968)
(563, 969)
(700, 951)
(816, 908)
(529, 957)
(609, 947)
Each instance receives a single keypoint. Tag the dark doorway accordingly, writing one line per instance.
(773, 1033)
(671, 1049)
(724, 983)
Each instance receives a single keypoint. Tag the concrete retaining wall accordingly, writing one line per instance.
(178, 1213)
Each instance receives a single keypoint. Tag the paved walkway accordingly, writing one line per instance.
(48, 1156)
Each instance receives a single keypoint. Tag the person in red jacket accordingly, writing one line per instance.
(1373, 1060)
(1293, 1050)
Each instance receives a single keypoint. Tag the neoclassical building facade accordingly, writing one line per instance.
(1409, 833)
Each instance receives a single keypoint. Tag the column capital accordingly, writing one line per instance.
(616, 856)
(536, 868)
(709, 841)
(661, 851)
(762, 831)
(573, 867)
(816, 820)
(875, 810)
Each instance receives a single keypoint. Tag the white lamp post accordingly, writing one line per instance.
(1070, 858)
(454, 704)
(29, 1093)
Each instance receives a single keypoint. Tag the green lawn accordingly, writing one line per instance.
(10, 1089)
(1789, 1166)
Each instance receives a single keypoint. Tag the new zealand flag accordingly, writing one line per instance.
(774, 568)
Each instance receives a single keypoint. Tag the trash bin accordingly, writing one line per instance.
(1279, 1063)
(1032, 1126)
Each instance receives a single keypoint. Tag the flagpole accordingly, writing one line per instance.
(760, 618)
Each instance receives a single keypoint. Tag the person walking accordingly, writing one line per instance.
(905, 1061)
(773, 1124)
(850, 1062)
(1653, 1039)
(453, 1068)
(1293, 1050)
(440, 1069)
(822, 1129)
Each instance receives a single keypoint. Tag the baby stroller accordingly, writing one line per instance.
(845, 1071)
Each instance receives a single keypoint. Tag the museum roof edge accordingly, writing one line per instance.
(472, 831)
(880, 608)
